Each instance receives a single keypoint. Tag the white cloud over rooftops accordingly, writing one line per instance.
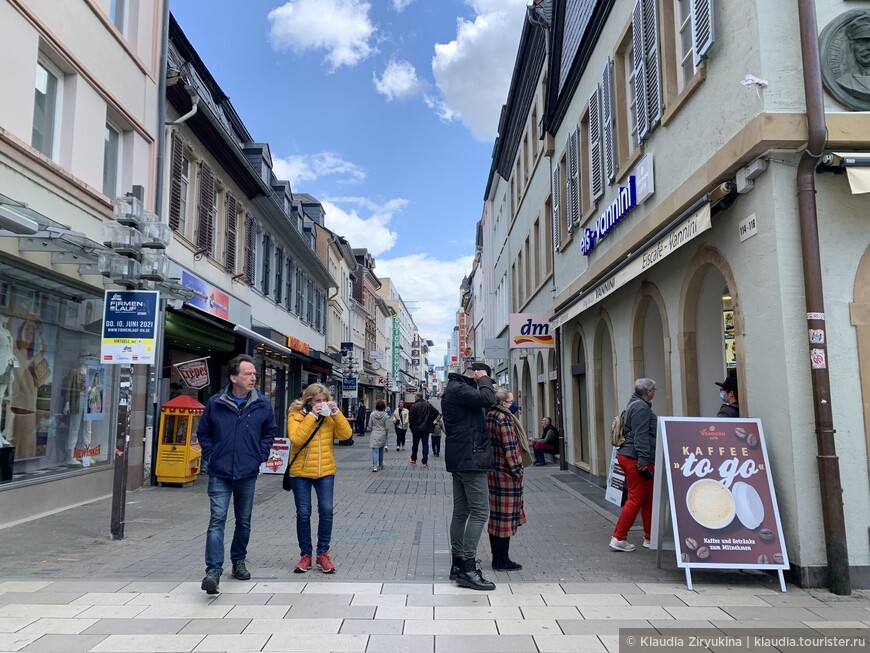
(398, 81)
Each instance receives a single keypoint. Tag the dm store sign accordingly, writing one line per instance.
(129, 327)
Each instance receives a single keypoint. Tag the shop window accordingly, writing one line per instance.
(47, 108)
(57, 401)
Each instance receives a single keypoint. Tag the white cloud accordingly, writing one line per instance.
(398, 81)
(434, 285)
(473, 71)
(372, 232)
(301, 168)
(341, 27)
(400, 5)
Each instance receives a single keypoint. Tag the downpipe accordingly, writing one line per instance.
(829, 467)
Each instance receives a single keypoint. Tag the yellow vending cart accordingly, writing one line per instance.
(179, 456)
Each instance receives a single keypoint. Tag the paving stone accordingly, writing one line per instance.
(484, 644)
(320, 626)
(224, 643)
(16, 641)
(14, 624)
(54, 598)
(506, 612)
(599, 626)
(226, 625)
(138, 626)
(445, 600)
(390, 643)
(65, 643)
(527, 627)
(450, 626)
(569, 644)
(314, 642)
(310, 599)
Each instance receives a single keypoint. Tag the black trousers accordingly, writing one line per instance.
(436, 445)
(417, 439)
(400, 437)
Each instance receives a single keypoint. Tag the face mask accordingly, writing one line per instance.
(722, 395)
(514, 407)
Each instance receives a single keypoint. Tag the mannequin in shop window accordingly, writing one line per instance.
(8, 363)
(74, 407)
(33, 372)
(728, 394)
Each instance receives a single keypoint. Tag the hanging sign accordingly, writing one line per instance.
(531, 330)
(129, 327)
(279, 456)
(194, 373)
(722, 497)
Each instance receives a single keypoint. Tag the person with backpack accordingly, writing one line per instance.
(636, 456)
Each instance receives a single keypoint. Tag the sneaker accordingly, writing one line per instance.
(325, 564)
(413, 462)
(425, 464)
(240, 571)
(303, 565)
(646, 543)
(380, 466)
(374, 469)
(211, 581)
(621, 545)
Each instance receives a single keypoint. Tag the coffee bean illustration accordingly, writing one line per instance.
(684, 557)
(763, 560)
(691, 543)
(766, 535)
(703, 552)
(778, 559)
(752, 440)
(740, 433)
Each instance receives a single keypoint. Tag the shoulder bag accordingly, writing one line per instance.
(285, 482)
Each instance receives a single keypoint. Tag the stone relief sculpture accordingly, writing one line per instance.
(845, 53)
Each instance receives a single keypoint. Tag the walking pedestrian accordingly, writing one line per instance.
(235, 432)
(547, 443)
(505, 482)
(637, 457)
(437, 430)
(379, 421)
(728, 394)
(362, 414)
(421, 419)
(400, 422)
(314, 421)
(468, 457)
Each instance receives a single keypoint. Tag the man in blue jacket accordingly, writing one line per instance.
(235, 432)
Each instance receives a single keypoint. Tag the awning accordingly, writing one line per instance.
(857, 165)
(197, 334)
(253, 335)
(653, 253)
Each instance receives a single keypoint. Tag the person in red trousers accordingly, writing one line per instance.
(636, 457)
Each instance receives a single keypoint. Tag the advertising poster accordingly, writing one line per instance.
(129, 327)
(349, 387)
(615, 481)
(279, 456)
(207, 298)
(95, 393)
(723, 502)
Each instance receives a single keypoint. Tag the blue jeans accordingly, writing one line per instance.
(417, 438)
(219, 492)
(324, 488)
(377, 456)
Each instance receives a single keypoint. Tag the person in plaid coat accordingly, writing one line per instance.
(506, 512)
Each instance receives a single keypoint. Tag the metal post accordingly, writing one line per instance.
(560, 423)
(122, 446)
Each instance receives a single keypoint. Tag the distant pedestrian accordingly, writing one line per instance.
(400, 423)
(379, 421)
(235, 432)
(506, 512)
(361, 417)
(421, 418)
(314, 421)
(174, 390)
(547, 443)
(468, 457)
(437, 430)
(728, 394)
(637, 457)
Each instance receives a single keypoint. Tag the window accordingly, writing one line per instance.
(250, 249)
(46, 109)
(583, 139)
(687, 35)
(685, 53)
(548, 236)
(266, 277)
(207, 210)
(318, 310)
(526, 158)
(556, 196)
(528, 268)
(279, 273)
(288, 291)
(535, 142)
(625, 101)
(309, 313)
(647, 69)
(300, 291)
(111, 161)
(231, 221)
(185, 192)
(118, 14)
(179, 184)
(536, 246)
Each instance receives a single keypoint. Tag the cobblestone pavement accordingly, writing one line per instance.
(65, 586)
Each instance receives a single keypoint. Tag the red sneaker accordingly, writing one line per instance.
(303, 565)
(413, 462)
(325, 563)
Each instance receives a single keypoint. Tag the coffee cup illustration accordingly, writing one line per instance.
(710, 503)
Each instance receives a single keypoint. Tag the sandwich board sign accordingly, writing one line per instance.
(722, 500)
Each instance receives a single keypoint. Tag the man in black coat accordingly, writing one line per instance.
(421, 420)
(469, 456)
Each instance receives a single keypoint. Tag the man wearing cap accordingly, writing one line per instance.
(468, 455)
(857, 82)
(728, 395)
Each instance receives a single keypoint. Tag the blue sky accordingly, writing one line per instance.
(385, 110)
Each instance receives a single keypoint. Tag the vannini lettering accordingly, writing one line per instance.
(623, 204)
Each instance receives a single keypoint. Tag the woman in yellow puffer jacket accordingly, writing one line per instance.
(314, 467)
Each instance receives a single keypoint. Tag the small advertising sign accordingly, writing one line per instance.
(194, 373)
(279, 456)
(495, 348)
(531, 330)
(615, 481)
(349, 387)
(208, 298)
(129, 327)
(722, 497)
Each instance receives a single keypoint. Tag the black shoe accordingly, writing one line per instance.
(211, 581)
(540, 464)
(471, 577)
(455, 567)
(506, 565)
(240, 571)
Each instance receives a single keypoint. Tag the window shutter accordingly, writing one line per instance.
(570, 160)
(205, 226)
(654, 101)
(608, 127)
(250, 234)
(638, 63)
(231, 220)
(596, 174)
(267, 263)
(556, 196)
(702, 29)
(573, 217)
(279, 273)
(175, 182)
(288, 294)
